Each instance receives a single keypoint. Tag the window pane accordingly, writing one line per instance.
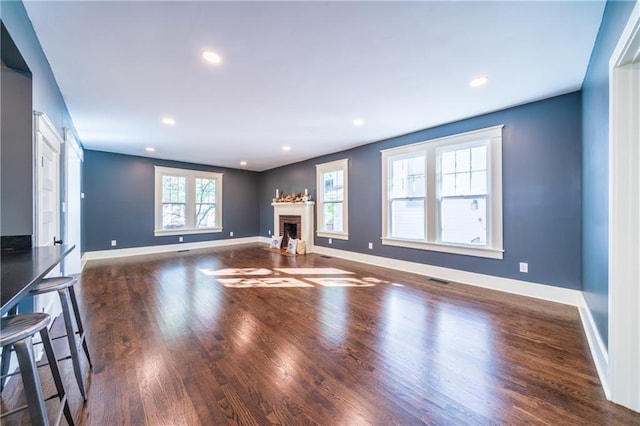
(174, 189)
(479, 158)
(479, 182)
(448, 185)
(448, 162)
(333, 217)
(334, 185)
(407, 219)
(205, 191)
(463, 184)
(407, 178)
(173, 215)
(205, 215)
(463, 160)
(464, 220)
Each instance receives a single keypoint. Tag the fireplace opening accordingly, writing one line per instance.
(290, 227)
(290, 230)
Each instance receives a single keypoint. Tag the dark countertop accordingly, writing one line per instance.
(21, 269)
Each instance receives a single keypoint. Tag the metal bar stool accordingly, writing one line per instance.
(64, 287)
(18, 331)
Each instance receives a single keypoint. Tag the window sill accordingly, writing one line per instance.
(164, 232)
(490, 253)
(336, 235)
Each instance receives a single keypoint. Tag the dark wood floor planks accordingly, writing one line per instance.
(172, 345)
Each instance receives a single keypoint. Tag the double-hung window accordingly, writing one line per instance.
(445, 194)
(332, 204)
(187, 201)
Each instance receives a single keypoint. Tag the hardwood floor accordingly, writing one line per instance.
(245, 336)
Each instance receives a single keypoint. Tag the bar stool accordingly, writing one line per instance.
(18, 331)
(64, 287)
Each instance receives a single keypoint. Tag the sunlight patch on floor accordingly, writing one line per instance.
(262, 282)
(264, 277)
(236, 272)
(313, 271)
(341, 282)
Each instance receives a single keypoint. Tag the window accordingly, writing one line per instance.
(187, 201)
(445, 194)
(332, 189)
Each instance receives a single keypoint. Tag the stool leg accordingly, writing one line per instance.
(31, 382)
(71, 337)
(4, 365)
(6, 357)
(76, 311)
(55, 372)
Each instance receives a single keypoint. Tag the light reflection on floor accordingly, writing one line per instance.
(341, 282)
(462, 335)
(236, 271)
(313, 271)
(262, 277)
(333, 314)
(262, 282)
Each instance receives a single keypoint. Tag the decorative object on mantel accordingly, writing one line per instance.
(303, 197)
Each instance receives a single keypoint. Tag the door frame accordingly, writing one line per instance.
(624, 217)
(72, 151)
(45, 132)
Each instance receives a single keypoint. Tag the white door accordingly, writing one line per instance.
(72, 230)
(47, 167)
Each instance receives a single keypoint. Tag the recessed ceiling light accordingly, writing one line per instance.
(150, 149)
(168, 121)
(477, 82)
(243, 163)
(286, 148)
(358, 122)
(212, 57)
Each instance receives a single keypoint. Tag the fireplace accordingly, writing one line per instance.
(294, 220)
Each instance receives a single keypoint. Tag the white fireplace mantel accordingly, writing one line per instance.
(304, 210)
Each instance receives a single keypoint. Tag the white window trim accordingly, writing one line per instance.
(191, 175)
(321, 169)
(494, 248)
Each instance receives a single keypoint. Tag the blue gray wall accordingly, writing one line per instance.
(541, 193)
(119, 197)
(16, 151)
(595, 164)
(45, 97)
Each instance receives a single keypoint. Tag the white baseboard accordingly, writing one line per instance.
(266, 240)
(165, 248)
(599, 352)
(539, 291)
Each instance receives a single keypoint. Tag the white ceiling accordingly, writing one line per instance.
(299, 73)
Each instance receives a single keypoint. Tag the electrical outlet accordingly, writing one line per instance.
(330, 241)
(370, 246)
(180, 239)
(524, 267)
(113, 243)
(231, 234)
